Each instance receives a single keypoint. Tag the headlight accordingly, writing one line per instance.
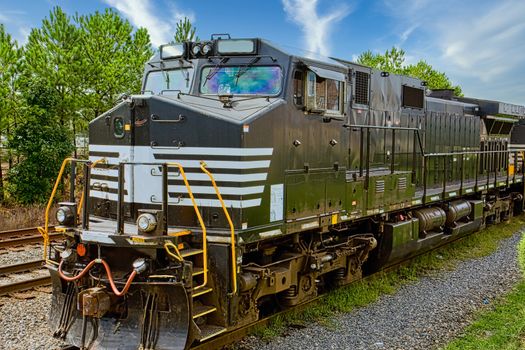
(65, 216)
(206, 49)
(196, 49)
(146, 222)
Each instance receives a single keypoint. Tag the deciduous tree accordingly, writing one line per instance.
(393, 61)
(10, 101)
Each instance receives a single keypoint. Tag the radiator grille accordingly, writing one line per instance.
(402, 183)
(380, 186)
(361, 87)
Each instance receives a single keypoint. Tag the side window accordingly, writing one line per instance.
(311, 84)
(320, 93)
(298, 88)
(333, 95)
(325, 95)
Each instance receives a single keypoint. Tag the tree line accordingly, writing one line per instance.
(71, 69)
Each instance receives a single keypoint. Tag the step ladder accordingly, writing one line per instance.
(203, 308)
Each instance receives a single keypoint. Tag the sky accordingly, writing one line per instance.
(479, 44)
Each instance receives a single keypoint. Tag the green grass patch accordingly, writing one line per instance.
(365, 292)
(502, 327)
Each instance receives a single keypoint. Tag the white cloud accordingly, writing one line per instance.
(178, 14)
(15, 23)
(316, 27)
(141, 14)
(479, 44)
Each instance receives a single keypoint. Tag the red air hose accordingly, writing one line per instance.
(108, 272)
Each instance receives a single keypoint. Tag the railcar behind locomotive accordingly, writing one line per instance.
(245, 178)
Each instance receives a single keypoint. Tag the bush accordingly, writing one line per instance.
(42, 144)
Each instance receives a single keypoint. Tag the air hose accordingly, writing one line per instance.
(108, 272)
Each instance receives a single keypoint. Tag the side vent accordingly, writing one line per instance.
(402, 183)
(380, 186)
(361, 87)
(413, 97)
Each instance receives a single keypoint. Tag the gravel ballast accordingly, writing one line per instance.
(426, 314)
(423, 315)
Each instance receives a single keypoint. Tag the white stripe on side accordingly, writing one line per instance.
(212, 151)
(186, 202)
(188, 163)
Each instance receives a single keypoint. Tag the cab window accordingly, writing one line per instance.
(325, 95)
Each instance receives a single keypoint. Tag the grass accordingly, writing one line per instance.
(365, 292)
(20, 217)
(502, 327)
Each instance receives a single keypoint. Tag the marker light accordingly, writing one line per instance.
(146, 222)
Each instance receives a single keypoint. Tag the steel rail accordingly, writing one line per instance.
(22, 267)
(24, 240)
(21, 232)
(24, 285)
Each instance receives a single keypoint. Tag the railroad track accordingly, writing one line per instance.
(24, 284)
(24, 236)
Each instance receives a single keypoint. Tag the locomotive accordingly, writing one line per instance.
(245, 179)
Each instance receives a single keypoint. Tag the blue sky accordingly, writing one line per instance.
(480, 44)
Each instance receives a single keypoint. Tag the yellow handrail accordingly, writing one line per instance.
(177, 254)
(44, 231)
(232, 229)
(201, 223)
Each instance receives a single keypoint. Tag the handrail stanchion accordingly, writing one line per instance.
(84, 202)
(232, 229)
(120, 200)
(72, 181)
(201, 223)
(165, 207)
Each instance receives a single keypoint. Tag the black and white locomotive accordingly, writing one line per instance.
(245, 179)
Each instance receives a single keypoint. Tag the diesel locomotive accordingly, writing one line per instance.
(246, 179)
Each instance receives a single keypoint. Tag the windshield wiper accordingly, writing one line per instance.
(245, 68)
(215, 70)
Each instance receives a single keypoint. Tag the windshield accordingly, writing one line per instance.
(173, 79)
(241, 80)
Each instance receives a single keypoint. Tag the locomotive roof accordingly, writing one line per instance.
(268, 48)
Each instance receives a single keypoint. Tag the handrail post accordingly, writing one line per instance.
(72, 181)
(85, 208)
(120, 199)
(414, 158)
(361, 152)
(392, 161)
(367, 179)
(425, 179)
(462, 173)
(165, 207)
(201, 223)
(232, 229)
(445, 169)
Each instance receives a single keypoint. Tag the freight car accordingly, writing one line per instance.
(245, 179)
